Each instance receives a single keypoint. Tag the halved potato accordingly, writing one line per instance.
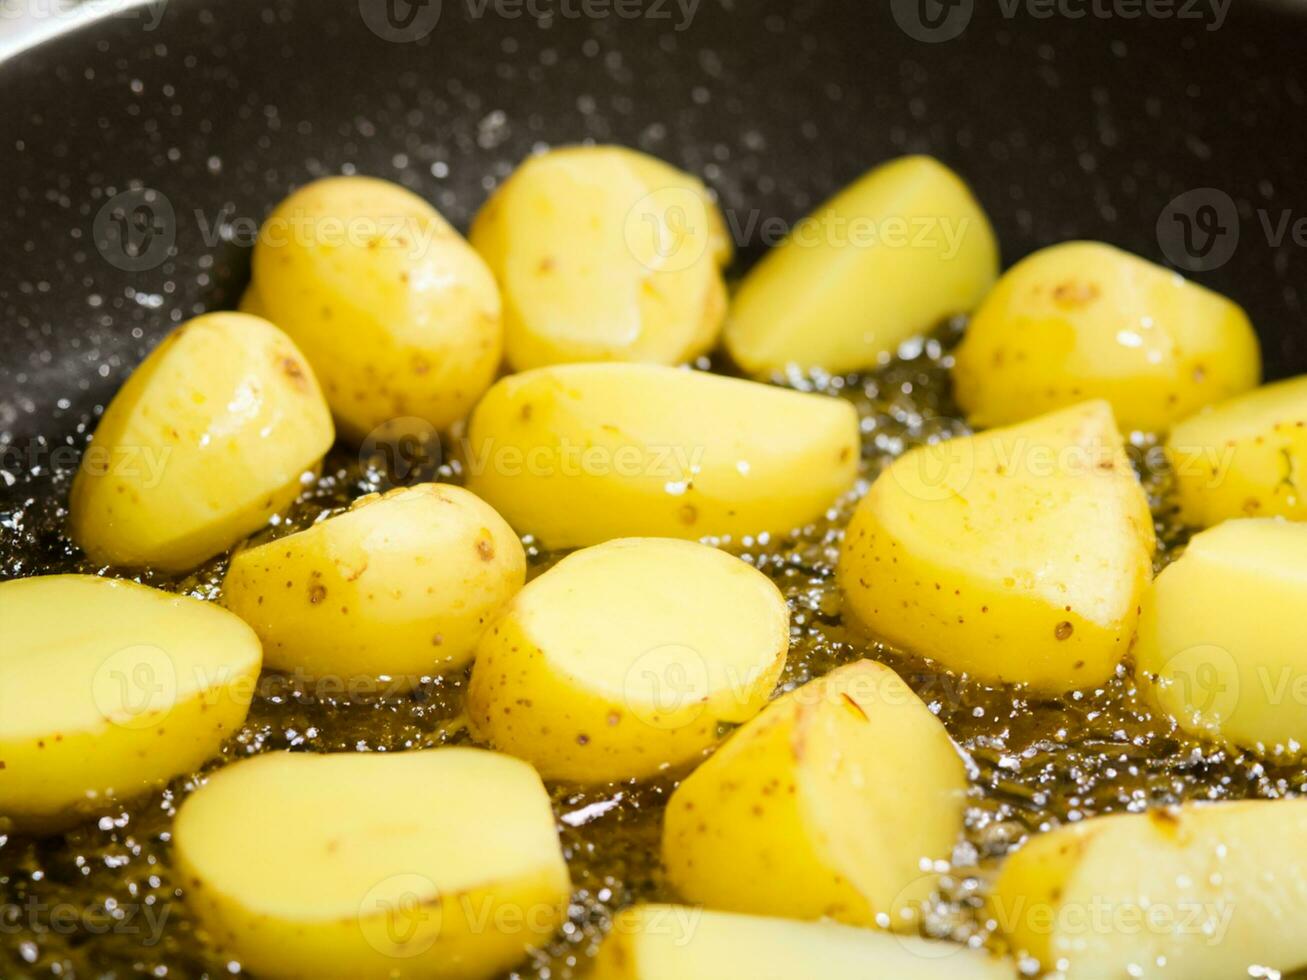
(399, 317)
(1246, 457)
(835, 802)
(680, 942)
(1085, 320)
(1016, 555)
(208, 438)
(401, 585)
(1197, 892)
(108, 689)
(892, 255)
(441, 864)
(624, 658)
(582, 453)
(604, 254)
(1222, 645)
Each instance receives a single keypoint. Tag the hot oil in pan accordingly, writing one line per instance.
(101, 900)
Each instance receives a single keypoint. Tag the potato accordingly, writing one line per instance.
(441, 864)
(1018, 555)
(397, 314)
(208, 438)
(831, 803)
(893, 255)
(624, 658)
(1197, 892)
(401, 585)
(1222, 644)
(1246, 457)
(1085, 320)
(677, 942)
(252, 303)
(579, 454)
(108, 689)
(604, 254)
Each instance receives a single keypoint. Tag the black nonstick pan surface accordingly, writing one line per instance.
(139, 153)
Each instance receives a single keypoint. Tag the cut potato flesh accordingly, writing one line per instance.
(400, 585)
(1197, 892)
(1246, 457)
(679, 942)
(1222, 644)
(624, 658)
(891, 256)
(837, 801)
(108, 689)
(579, 454)
(208, 438)
(1085, 320)
(441, 864)
(1017, 555)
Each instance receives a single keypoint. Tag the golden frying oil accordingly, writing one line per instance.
(101, 900)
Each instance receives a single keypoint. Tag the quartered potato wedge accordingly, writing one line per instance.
(401, 585)
(108, 689)
(399, 317)
(623, 659)
(681, 942)
(440, 864)
(1222, 645)
(1197, 892)
(1085, 320)
(579, 454)
(1015, 555)
(891, 256)
(208, 438)
(835, 802)
(1246, 457)
(604, 254)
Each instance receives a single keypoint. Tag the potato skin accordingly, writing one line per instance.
(401, 585)
(826, 298)
(208, 438)
(1246, 457)
(824, 806)
(1085, 320)
(90, 717)
(1018, 555)
(397, 314)
(1222, 643)
(1196, 892)
(679, 942)
(623, 659)
(604, 253)
(583, 453)
(438, 864)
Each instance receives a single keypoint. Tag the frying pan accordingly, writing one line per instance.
(138, 152)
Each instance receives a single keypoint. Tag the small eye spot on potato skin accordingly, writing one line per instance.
(486, 548)
(1072, 294)
(1063, 630)
(317, 592)
(295, 372)
(688, 514)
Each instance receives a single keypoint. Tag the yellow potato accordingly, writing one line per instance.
(891, 256)
(624, 658)
(400, 585)
(441, 864)
(583, 453)
(1198, 892)
(252, 303)
(831, 803)
(1017, 555)
(208, 438)
(397, 314)
(1085, 320)
(678, 942)
(1246, 457)
(1222, 645)
(604, 254)
(108, 689)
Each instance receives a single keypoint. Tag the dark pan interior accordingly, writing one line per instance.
(1066, 127)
